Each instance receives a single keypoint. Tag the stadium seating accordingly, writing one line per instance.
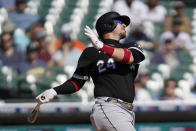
(12, 86)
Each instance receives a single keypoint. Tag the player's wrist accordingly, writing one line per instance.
(99, 44)
(53, 92)
(46, 96)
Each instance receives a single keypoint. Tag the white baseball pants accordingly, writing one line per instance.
(107, 116)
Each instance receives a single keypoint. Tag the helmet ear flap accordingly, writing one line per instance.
(110, 26)
(107, 27)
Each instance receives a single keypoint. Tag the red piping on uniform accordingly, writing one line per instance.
(75, 85)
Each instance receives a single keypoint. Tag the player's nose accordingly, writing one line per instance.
(124, 25)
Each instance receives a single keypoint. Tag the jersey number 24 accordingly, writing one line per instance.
(102, 66)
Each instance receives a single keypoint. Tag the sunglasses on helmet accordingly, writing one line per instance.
(119, 21)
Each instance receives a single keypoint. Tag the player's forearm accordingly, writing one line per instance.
(119, 54)
(65, 88)
(68, 87)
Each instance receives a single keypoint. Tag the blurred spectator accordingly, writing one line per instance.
(169, 90)
(154, 15)
(10, 54)
(32, 65)
(20, 18)
(8, 26)
(9, 5)
(44, 54)
(135, 9)
(68, 50)
(167, 55)
(143, 78)
(181, 39)
(21, 39)
(178, 15)
(34, 29)
(137, 35)
(50, 38)
(141, 93)
(155, 12)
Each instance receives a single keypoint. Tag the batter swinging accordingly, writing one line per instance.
(113, 67)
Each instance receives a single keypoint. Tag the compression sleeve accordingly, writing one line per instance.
(109, 50)
(127, 55)
(70, 86)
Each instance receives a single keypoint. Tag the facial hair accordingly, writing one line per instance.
(122, 35)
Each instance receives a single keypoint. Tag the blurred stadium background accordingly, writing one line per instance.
(65, 19)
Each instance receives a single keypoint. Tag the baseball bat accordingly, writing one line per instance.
(33, 116)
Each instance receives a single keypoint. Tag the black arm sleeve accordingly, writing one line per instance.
(80, 76)
(137, 57)
(137, 53)
(68, 87)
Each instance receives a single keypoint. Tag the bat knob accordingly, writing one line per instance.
(29, 120)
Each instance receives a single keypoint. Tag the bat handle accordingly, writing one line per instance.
(37, 106)
(34, 113)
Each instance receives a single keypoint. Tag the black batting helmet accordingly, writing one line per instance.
(105, 23)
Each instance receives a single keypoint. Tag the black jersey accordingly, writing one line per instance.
(111, 78)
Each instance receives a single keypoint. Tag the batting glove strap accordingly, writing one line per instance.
(47, 95)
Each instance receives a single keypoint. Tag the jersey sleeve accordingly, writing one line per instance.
(70, 86)
(137, 53)
(83, 66)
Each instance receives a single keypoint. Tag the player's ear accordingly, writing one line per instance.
(110, 26)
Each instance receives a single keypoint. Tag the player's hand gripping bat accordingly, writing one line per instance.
(44, 97)
(33, 116)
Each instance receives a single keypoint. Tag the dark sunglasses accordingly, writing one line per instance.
(119, 21)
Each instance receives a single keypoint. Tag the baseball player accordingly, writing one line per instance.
(113, 67)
